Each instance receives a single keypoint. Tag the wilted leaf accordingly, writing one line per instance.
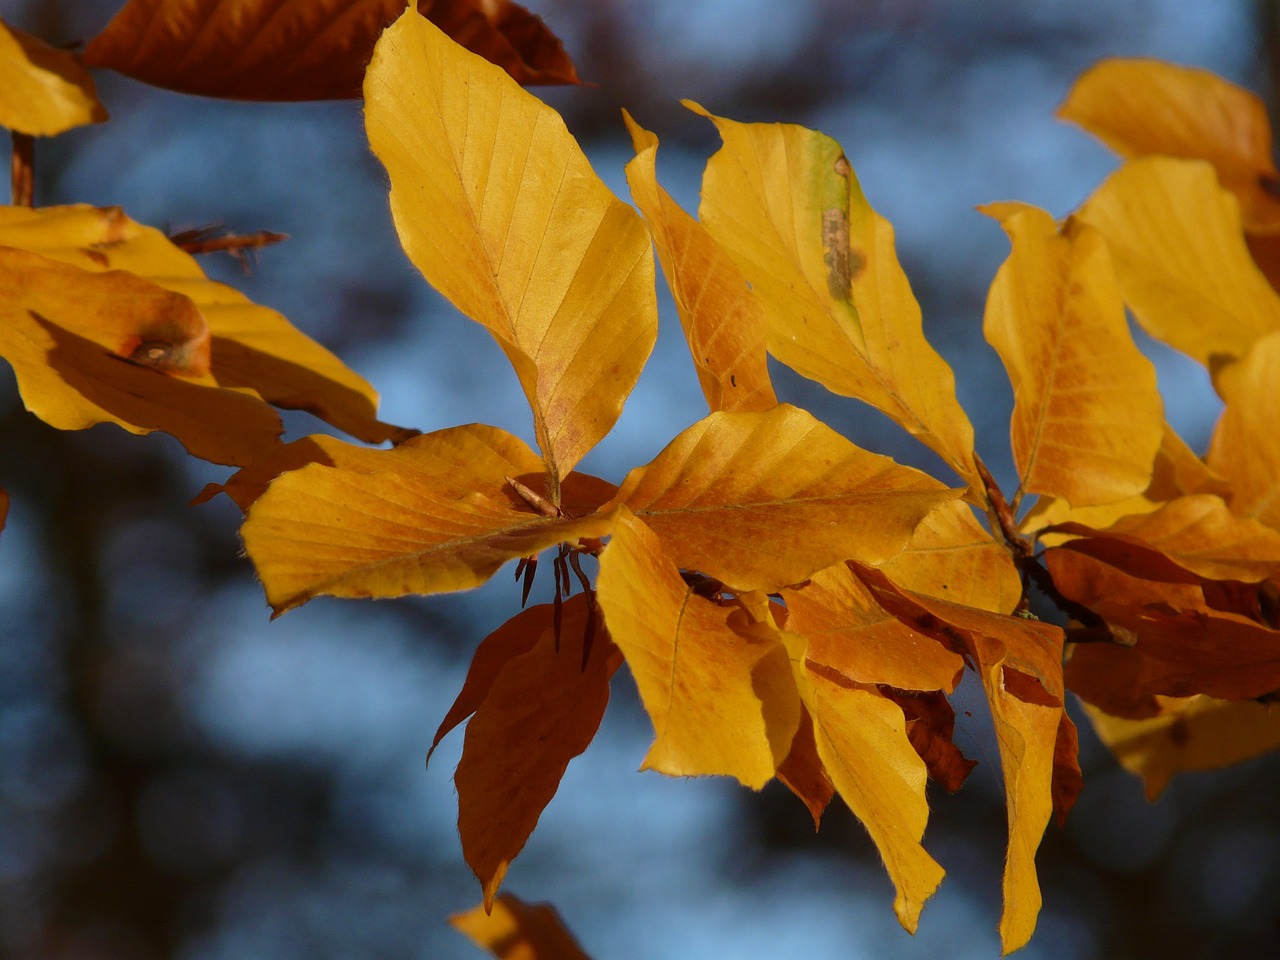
(497, 206)
(848, 632)
(317, 50)
(514, 930)
(784, 202)
(761, 500)
(541, 711)
(1180, 255)
(1198, 733)
(953, 557)
(438, 516)
(1141, 107)
(1087, 417)
(1244, 448)
(43, 91)
(250, 346)
(722, 700)
(723, 319)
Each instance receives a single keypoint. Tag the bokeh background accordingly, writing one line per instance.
(181, 778)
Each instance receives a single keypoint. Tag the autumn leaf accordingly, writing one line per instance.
(784, 202)
(497, 206)
(1087, 417)
(721, 699)
(724, 321)
(541, 710)
(931, 722)
(280, 50)
(1143, 107)
(514, 930)
(1244, 448)
(802, 771)
(1184, 269)
(43, 91)
(433, 515)
(248, 347)
(761, 500)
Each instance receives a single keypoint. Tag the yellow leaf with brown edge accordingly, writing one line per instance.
(514, 930)
(251, 346)
(94, 347)
(1087, 416)
(317, 50)
(1139, 107)
(542, 710)
(862, 742)
(723, 319)
(499, 209)
(1244, 448)
(1195, 733)
(762, 500)
(785, 204)
(1020, 664)
(953, 557)
(1185, 272)
(722, 699)
(437, 515)
(848, 632)
(43, 91)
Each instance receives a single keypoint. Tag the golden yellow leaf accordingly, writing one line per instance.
(317, 50)
(722, 699)
(785, 204)
(1244, 448)
(1196, 733)
(251, 346)
(542, 710)
(94, 347)
(1184, 269)
(514, 930)
(43, 91)
(723, 319)
(848, 632)
(953, 557)
(498, 207)
(1087, 417)
(1139, 107)
(762, 500)
(438, 515)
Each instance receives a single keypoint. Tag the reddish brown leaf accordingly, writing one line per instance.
(1067, 779)
(316, 50)
(930, 724)
(802, 771)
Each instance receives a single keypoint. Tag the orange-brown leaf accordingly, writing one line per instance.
(1141, 107)
(1067, 779)
(1087, 417)
(438, 515)
(802, 771)
(762, 500)
(723, 319)
(721, 698)
(317, 50)
(1244, 448)
(931, 721)
(542, 710)
(515, 930)
(43, 91)
(849, 632)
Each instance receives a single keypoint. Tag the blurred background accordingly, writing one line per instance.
(180, 778)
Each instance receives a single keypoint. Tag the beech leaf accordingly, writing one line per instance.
(721, 699)
(1139, 107)
(1184, 269)
(724, 321)
(317, 50)
(1087, 417)
(514, 930)
(498, 207)
(43, 91)
(802, 771)
(762, 500)
(542, 709)
(785, 204)
(1244, 448)
(438, 515)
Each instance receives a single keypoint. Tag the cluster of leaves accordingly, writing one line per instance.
(788, 604)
